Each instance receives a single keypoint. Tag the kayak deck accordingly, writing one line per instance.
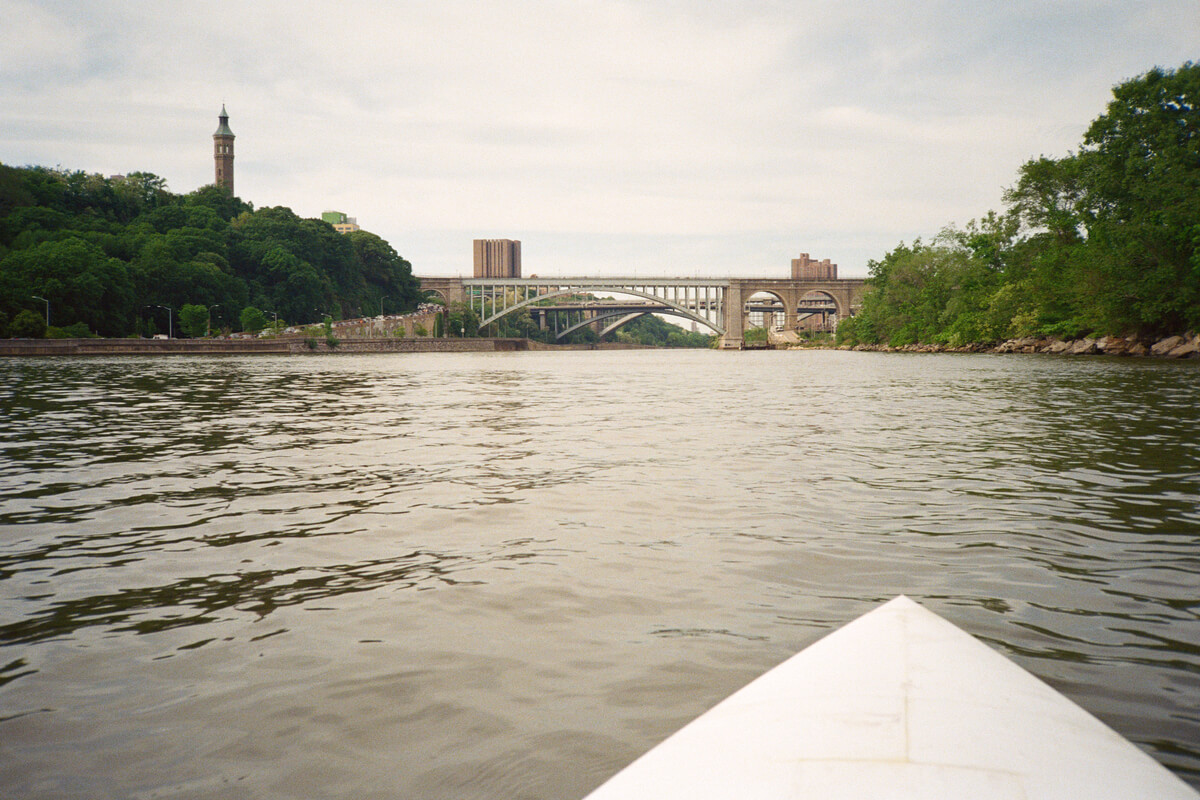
(899, 703)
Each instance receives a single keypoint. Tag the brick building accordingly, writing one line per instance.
(497, 258)
(805, 269)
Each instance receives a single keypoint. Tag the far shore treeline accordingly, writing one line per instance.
(1105, 241)
(107, 253)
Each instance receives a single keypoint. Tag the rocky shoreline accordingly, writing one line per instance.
(1183, 346)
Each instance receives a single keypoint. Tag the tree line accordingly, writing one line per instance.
(1105, 241)
(121, 256)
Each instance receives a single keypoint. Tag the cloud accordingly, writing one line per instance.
(663, 131)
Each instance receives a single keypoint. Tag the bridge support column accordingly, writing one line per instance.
(735, 318)
(791, 301)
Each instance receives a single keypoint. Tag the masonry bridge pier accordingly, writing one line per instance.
(723, 305)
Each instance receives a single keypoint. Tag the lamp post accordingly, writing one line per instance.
(381, 299)
(47, 302)
(170, 324)
(208, 325)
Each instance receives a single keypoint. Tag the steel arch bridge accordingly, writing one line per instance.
(622, 316)
(693, 298)
(717, 303)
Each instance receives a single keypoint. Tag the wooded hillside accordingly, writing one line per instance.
(108, 253)
(1105, 241)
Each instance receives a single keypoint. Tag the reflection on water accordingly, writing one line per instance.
(507, 575)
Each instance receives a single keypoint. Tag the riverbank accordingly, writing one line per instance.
(1184, 346)
(280, 346)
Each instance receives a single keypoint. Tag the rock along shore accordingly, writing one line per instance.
(1185, 346)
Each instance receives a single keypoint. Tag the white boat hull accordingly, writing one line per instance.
(898, 704)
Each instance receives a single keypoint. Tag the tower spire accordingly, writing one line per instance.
(223, 151)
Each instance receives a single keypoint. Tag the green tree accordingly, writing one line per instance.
(1102, 241)
(384, 272)
(754, 335)
(28, 325)
(1112, 238)
(252, 320)
(462, 321)
(76, 330)
(218, 200)
(193, 320)
(80, 281)
(1142, 178)
(652, 330)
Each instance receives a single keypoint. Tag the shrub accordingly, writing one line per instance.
(27, 325)
(252, 319)
(76, 330)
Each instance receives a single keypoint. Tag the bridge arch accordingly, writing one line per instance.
(764, 302)
(672, 307)
(844, 293)
(717, 303)
(813, 303)
(626, 317)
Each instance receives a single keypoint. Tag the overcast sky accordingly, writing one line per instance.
(652, 138)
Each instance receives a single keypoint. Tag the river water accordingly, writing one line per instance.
(508, 575)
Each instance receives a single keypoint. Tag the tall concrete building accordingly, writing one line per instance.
(497, 258)
(805, 269)
(223, 152)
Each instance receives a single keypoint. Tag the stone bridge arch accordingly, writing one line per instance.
(845, 293)
(449, 289)
(770, 295)
(811, 313)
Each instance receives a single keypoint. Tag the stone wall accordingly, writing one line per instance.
(287, 345)
(380, 327)
(406, 345)
(139, 347)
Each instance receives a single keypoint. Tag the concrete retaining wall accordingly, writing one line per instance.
(290, 345)
(139, 347)
(417, 345)
(280, 346)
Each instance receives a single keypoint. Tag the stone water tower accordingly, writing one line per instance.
(223, 152)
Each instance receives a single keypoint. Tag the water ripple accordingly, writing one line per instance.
(507, 575)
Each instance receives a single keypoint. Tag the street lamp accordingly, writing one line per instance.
(208, 325)
(47, 302)
(381, 299)
(170, 324)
